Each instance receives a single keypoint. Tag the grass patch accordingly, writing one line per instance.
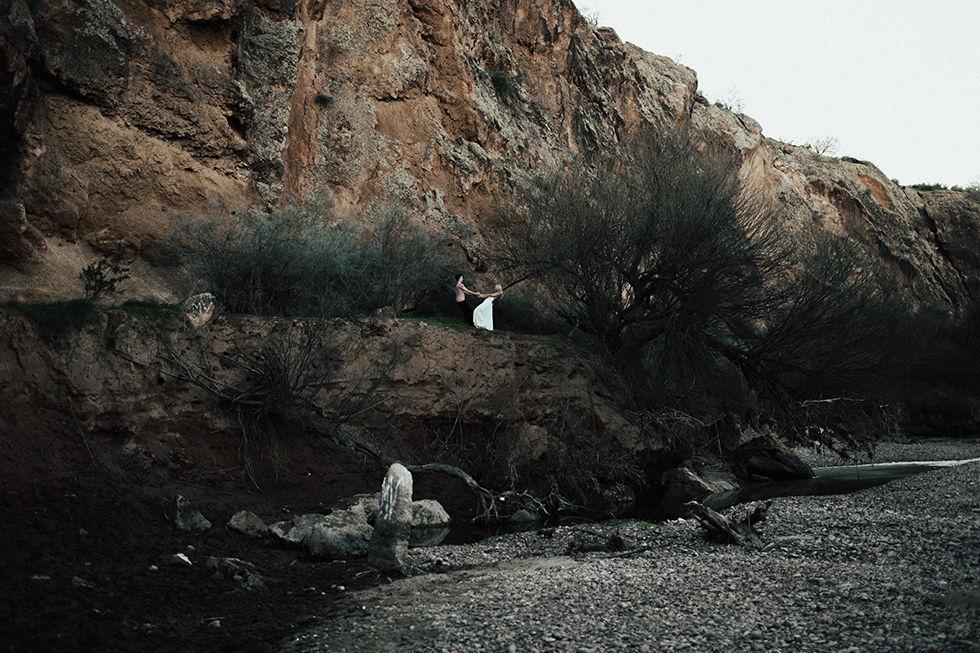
(56, 318)
(149, 308)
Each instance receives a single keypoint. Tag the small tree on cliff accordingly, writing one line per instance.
(679, 277)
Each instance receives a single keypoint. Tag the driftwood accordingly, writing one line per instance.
(309, 420)
(732, 529)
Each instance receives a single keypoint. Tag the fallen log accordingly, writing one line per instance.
(738, 527)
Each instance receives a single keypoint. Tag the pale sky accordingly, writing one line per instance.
(896, 82)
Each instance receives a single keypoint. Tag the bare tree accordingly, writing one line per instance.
(681, 279)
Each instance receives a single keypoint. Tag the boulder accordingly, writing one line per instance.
(341, 534)
(348, 530)
(766, 456)
(684, 484)
(429, 513)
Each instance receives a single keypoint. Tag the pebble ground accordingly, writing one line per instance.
(892, 568)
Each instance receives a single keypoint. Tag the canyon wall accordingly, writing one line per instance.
(114, 114)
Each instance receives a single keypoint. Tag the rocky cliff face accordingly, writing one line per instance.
(116, 113)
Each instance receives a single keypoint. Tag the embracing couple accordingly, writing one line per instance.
(482, 315)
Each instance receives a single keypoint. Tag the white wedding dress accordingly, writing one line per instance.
(483, 315)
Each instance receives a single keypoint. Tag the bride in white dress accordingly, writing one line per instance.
(483, 314)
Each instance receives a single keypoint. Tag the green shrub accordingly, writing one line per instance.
(506, 86)
(405, 266)
(299, 260)
(264, 262)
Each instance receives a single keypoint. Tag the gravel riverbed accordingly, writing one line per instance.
(892, 568)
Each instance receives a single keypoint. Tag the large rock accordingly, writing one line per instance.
(764, 455)
(341, 534)
(429, 513)
(430, 523)
(392, 529)
(348, 531)
(248, 523)
(685, 484)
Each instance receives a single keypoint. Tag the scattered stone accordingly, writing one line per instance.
(228, 567)
(81, 582)
(185, 517)
(180, 560)
(238, 570)
(248, 523)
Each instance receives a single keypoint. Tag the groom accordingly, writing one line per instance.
(461, 292)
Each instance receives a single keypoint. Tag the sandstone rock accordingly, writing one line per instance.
(341, 534)
(295, 530)
(400, 108)
(347, 531)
